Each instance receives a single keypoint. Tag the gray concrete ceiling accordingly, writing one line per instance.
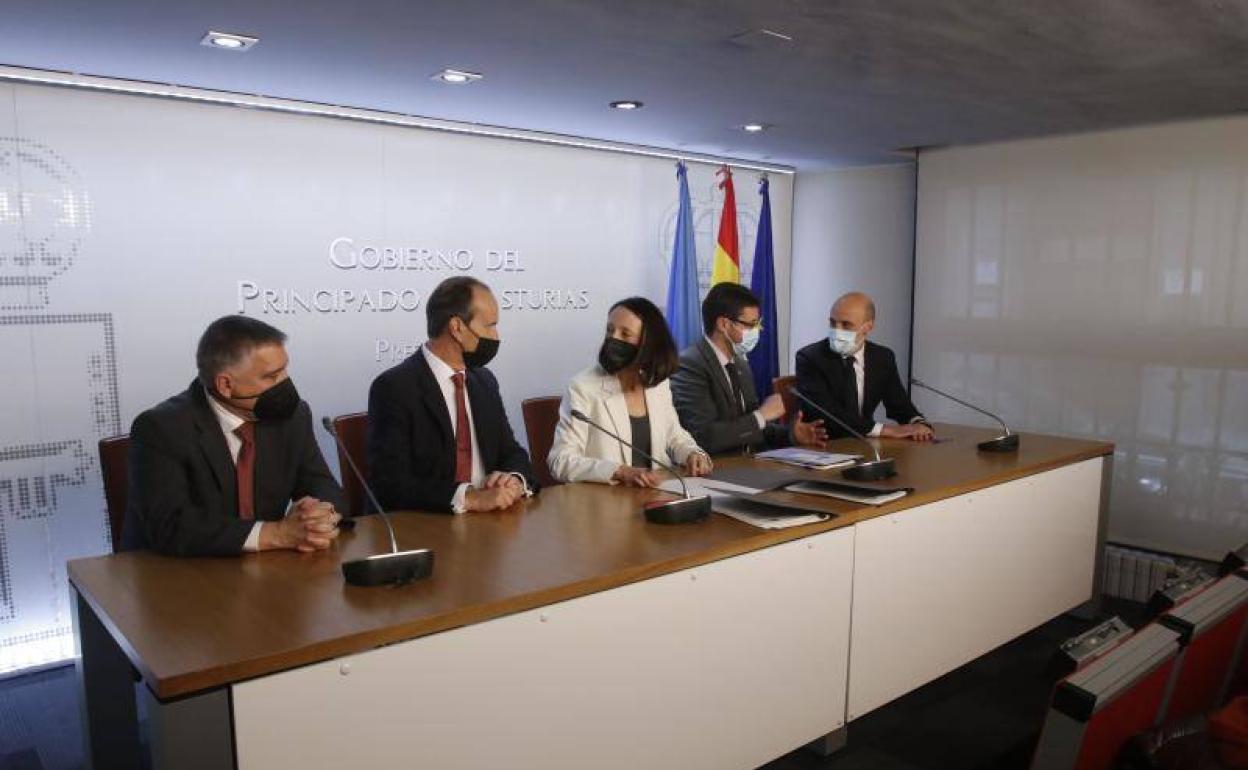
(860, 79)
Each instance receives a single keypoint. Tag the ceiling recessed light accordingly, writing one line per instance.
(228, 41)
(754, 128)
(457, 77)
(627, 104)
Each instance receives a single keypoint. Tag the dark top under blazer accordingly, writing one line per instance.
(411, 442)
(821, 378)
(705, 405)
(182, 479)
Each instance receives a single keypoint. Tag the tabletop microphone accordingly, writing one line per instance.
(1008, 442)
(392, 568)
(862, 470)
(685, 511)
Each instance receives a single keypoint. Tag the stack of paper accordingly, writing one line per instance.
(850, 493)
(739, 502)
(808, 458)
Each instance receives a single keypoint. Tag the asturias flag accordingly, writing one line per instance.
(726, 265)
(683, 311)
(765, 357)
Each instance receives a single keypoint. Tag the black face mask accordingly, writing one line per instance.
(277, 403)
(616, 354)
(487, 348)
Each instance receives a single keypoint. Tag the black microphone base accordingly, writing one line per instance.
(1007, 443)
(684, 511)
(871, 470)
(389, 568)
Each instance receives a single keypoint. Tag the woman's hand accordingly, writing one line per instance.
(698, 464)
(635, 477)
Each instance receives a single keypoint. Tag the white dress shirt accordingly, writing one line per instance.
(723, 363)
(444, 374)
(860, 376)
(229, 422)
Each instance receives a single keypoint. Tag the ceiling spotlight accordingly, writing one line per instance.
(627, 104)
(228, 41)
(457, 77)
(754, 128)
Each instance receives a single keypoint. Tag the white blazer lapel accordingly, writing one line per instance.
(617, 413)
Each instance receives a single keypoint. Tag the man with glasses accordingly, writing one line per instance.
(850, 376)
(713, 387)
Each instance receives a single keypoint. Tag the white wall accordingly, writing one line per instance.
(853, 229)
(128, 223)
(1097, 285)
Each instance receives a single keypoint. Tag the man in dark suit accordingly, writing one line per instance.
(850, 376)
(438, 435)
(713, 387)
(213, 470)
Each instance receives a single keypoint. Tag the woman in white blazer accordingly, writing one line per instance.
(626, 392)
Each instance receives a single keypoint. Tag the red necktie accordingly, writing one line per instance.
(463, 434)
(245, 470)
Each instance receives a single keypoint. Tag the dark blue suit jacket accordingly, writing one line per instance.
(411, 440)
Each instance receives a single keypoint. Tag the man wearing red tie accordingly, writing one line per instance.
(438, 435)
(214, 469)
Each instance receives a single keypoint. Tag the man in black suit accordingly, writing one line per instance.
(438, 436)
(213, 470)
(713, 387)
(850, 376)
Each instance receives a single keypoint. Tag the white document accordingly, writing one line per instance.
(700, 486)
(754, 513)
(757, 514)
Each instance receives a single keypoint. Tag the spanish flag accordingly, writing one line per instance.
(726, 264)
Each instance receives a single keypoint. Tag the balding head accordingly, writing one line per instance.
(854, 303)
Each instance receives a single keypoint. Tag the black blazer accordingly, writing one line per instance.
(183, 499)
(821, 378)
(704, 403)
(411, 442)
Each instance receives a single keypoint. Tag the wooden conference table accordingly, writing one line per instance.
(569, 633)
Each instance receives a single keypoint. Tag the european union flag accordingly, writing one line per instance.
(765, 357)
(684, 313)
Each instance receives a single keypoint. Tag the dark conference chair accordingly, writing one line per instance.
(114, 465)
(353, 429)
(540, 417)
(784, 386)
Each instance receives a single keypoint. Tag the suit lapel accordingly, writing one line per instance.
(870, 380)
(431, 395)
(716, 370)
(268, 464)
(483, 421)
(212, 444)
(617, 413)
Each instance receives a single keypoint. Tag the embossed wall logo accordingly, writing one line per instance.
(45, 214)
(62, 393)
(707, 207)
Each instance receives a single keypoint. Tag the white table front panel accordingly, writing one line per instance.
(728, 665)
(939, 585)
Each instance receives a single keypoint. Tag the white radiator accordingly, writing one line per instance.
(1135, 575)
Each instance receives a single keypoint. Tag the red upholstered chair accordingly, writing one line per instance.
(353, 430)
(114, 467)
(784, 386)
(1211, 625)
(541, 415)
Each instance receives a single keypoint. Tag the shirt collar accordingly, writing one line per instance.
(441, 369)
(228, 420)
(723, 359)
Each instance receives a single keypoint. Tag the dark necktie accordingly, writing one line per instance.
(463, 434)
(734, 380)
(851, 386)
(245, 470)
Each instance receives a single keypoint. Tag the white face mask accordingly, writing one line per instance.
(843, 341)
(747, 343)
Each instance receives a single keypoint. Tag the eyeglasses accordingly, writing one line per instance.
(747, 324)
